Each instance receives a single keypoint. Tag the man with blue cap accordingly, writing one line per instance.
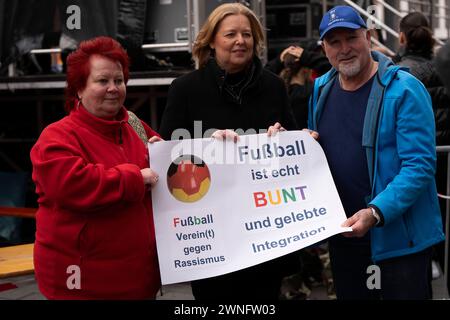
(375, 124)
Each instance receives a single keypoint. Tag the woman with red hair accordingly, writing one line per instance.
(94, 227)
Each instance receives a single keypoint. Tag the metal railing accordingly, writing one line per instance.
(372, 17)
(391, 8)
(380, 23)
(402, 14)
(446, 149)
(46, 51)
(174, 46)
(379, 44)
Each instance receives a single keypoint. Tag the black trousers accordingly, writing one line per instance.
(407, 277)
(403, 278)
(258, 283)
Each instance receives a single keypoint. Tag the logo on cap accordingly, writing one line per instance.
(333, 16)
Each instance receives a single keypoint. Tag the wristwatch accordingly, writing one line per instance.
(375, 215)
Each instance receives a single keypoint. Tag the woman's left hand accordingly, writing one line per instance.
(225, 135)
(150, 177)
(155, 139)
(273, 130)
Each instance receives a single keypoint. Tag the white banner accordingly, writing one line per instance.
(223, 206)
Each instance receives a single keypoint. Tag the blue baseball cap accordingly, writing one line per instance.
(341, 17)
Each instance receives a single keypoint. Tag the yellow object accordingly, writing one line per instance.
(182, 196)
(16, 260)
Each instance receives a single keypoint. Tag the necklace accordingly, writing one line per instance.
(237, 84)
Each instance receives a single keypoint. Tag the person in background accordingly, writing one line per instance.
(231, 90)
(442, 66)
(298, 82)
(298, 67)
(442, 63)
(94, 226)
(381, 116)
(416, 53)
(310, 56)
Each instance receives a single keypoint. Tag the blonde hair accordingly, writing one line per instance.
(202, 51)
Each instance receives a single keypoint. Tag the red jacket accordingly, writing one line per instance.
(94, 210)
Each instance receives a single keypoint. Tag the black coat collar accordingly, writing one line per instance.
(220, 76)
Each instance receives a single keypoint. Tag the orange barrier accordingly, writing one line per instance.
(18, 212)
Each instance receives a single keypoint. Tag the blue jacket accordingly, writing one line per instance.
(399, 140)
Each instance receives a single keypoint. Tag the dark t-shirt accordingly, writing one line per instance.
(340, 129)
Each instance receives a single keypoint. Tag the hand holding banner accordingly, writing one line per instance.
(226, 206)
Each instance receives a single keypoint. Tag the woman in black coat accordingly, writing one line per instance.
(230, 90)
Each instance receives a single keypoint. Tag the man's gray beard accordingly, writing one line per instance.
(350, 70)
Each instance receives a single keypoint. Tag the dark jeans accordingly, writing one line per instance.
(404, 277)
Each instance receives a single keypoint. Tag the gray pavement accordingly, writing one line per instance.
(27, 290)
